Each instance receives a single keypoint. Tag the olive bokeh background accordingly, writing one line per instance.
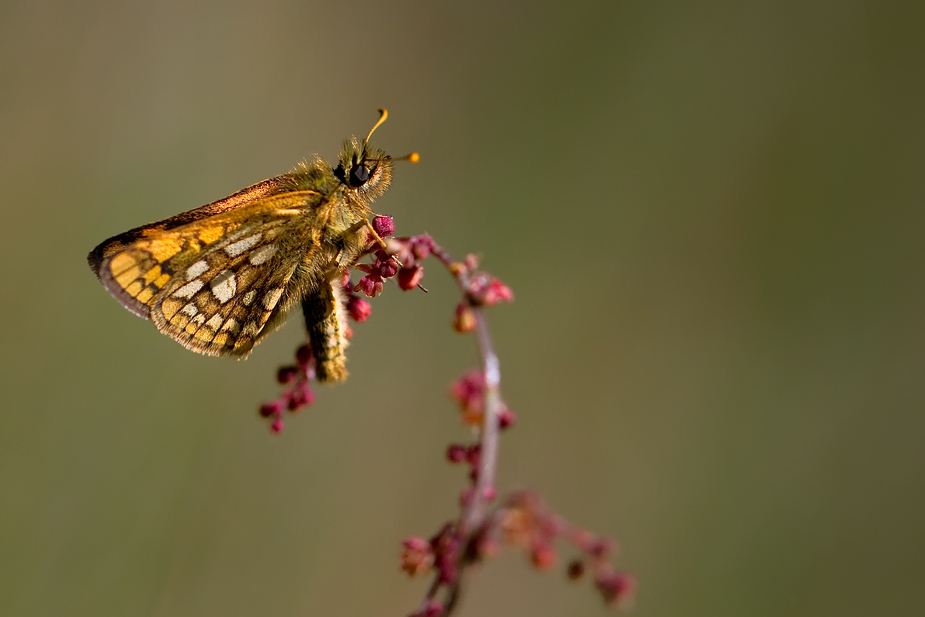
(711, 215)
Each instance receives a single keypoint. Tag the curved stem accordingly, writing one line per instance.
(475, 511)
(490, 428)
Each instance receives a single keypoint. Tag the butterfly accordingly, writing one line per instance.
(219, 278)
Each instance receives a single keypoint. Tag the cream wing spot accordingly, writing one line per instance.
(272, 297)
(215, 322)
(189, 289)
(248, 298)
(196, 269)
(236, 248)
(262, 254)
(189, 310)
(224, 286)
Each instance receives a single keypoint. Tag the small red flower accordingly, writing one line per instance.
(303, 355)
(371, 285)
(616, 587)
(601, 547)
(384, 226)
(543, 555)
(409, 278)
(456, 453)
(431, 608)
(417, 556)
(506, 418)
(576, 570)
(421, 246)
(273, 408)
(469, 391)
(286, 374)
(358, 309)
(486, 290)
(383, 268)
(464, 321)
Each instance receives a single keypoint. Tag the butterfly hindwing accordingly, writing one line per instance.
(223, 301)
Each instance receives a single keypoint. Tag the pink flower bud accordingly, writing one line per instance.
(359, 309)
(464, 321)
(272, 408)
(409, 278)
(384, 226)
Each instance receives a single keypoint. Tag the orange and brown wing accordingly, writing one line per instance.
(215, 282)
(280, 185)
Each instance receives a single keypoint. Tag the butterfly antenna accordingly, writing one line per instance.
(383, 115)
(414, 157)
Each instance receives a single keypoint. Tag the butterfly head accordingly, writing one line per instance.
(363, 169)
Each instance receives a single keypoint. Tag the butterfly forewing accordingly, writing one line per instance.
(214, 284)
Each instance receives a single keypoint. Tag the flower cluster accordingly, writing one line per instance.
(469, 392)
(401, 258)
(526, 522)
(298, 394)
(521, 521)
(484, 523)
(480, 289)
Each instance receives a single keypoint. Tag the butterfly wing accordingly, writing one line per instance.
(299, 180)
(213, 283)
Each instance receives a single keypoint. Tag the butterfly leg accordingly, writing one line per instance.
(369, 226)
(365, 223)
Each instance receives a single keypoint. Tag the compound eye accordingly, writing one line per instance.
(359, 175)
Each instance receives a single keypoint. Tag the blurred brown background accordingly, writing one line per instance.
(711, 214)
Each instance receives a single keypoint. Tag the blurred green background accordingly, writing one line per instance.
(712, 217)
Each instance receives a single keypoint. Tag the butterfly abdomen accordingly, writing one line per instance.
(325, 320)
